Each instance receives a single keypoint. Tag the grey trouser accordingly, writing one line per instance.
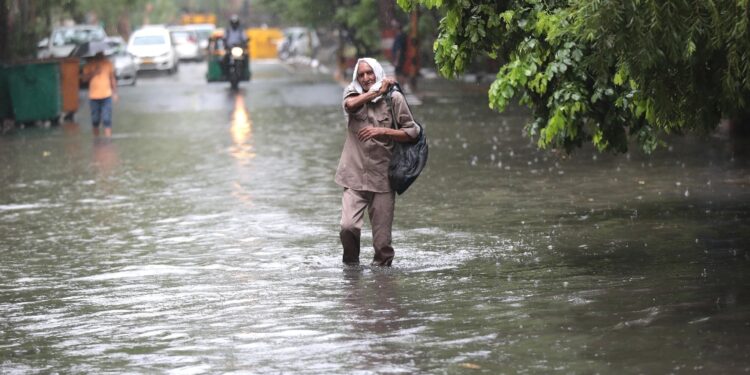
(380, 208)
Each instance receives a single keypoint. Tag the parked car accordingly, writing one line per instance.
(62, 40)
(204, 31)
(186, 43)
(298, 41)
(126, 70)
(153, 49)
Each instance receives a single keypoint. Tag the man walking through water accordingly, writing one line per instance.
(100, 73)
(363, 167)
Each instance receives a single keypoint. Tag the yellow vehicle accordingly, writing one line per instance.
(194, 18)
(264, 42)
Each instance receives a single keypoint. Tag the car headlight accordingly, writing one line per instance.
(237, 52)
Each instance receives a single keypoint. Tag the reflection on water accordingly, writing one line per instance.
(242, 132)
(242, 149)
(373, 301)
(105, 157)
(199, 242)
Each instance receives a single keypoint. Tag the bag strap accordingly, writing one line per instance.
(389, 101)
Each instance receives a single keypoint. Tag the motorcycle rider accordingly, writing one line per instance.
(233, 37)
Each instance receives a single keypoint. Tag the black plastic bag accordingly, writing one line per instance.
(408, 159)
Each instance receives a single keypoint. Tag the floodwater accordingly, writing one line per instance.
(204, 239)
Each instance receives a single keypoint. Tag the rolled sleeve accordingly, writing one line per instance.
(403, 116)
(351, 91)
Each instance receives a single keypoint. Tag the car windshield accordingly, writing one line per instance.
(204, 34)
(149, 40)
(76, 36)
(117, 47)
(181, 36)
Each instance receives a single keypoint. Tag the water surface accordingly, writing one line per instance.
(203, 238)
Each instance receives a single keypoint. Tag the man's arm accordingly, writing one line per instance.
(407, 131)
(355, 102)
(370, 132)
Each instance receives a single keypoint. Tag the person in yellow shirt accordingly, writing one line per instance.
(100, 73)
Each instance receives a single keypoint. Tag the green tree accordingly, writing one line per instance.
(23, 23)
(356, 20)
(605, 71)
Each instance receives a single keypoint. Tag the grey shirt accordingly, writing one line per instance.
(364, 165)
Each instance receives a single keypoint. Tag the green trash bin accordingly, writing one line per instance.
(35, 91)
(6, 111)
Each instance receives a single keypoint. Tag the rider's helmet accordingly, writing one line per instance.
(234, 21)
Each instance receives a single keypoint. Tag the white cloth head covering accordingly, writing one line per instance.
(379, 75)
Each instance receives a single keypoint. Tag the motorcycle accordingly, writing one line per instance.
(226, 65)
(236, 66)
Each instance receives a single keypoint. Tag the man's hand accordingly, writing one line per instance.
(387, 82)
(370, 133)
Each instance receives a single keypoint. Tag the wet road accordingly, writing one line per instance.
(203, 239)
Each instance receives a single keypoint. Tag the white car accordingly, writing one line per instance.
(186, 43)
(62, 40)
(298, 41)
(204, 31)
(126, 70)
(152, 48)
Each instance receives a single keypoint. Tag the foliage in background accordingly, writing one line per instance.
(22, 24)
(356, 20)
(604, 71)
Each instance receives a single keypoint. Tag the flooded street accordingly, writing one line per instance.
(204, 239)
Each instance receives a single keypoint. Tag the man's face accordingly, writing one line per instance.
(365, 76)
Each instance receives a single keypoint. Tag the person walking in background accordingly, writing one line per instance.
(100, 74)
(398, 51)
(363, 167)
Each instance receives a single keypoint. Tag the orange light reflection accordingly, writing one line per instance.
(242, 148)
(242, 132)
